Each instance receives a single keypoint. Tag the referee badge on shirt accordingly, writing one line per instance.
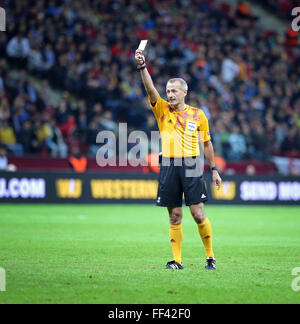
(191, 125)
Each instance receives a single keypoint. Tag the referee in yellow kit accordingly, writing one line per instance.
(182, 127)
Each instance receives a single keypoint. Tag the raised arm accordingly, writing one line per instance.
(147, 80)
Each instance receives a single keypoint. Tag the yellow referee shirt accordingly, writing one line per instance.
(181, 131)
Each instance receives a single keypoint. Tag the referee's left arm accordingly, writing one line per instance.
(210, 157)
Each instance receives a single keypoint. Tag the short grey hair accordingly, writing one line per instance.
(183, 84)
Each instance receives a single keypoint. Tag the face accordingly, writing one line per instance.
(175, 93)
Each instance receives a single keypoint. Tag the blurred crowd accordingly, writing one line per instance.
(246, 79)
(282, 8)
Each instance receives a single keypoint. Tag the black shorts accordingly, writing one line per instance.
(174, 182)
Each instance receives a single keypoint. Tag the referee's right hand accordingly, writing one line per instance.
(139, 57)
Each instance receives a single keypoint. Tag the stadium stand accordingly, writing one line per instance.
(246, 79)
(280, 7)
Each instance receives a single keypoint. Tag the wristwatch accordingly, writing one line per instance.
(214, 169)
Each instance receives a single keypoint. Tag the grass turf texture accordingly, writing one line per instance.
(115, 254)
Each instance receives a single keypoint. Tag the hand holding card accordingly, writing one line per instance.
(140, 58)
(143, 45)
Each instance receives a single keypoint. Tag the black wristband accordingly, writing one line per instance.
(214, 169)
(143, 67)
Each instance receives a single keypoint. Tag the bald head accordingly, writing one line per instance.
(182, 83)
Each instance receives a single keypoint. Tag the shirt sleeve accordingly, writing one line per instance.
(159, 107)
(203, 129)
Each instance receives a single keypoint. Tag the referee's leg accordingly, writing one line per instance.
(198, 213)
(175, 214)
(204, 228)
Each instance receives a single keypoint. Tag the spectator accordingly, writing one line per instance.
(42, 132)
(108, 123)
(35, 59)
(250, 170)
(69, 127)
(250, 150)
(230, 70)
(28, 138)
(260, 141)
(91, 137)
(237, 144)
(18, 49)
(49, 55)
(56, 143)
(3, 158)
(243, 11)
(77, 161)
(4, 108)
(291, 142)
(8, 138)
(221, 140)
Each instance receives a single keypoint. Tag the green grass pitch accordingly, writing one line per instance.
(115, 254)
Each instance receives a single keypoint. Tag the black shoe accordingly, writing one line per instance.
(173, 265)
(211, 264)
